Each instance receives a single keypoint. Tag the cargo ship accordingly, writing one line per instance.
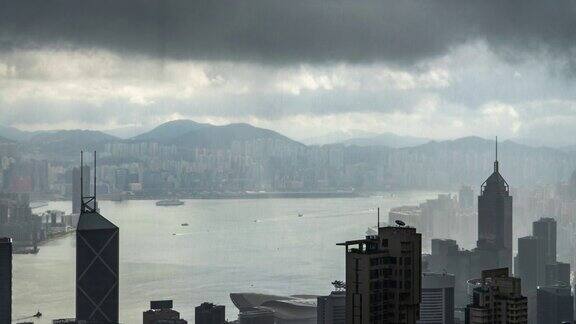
(169, 202)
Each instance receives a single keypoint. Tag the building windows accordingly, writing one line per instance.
(389, 260)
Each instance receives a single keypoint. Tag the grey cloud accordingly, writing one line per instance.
(280, 31)
(234, 107)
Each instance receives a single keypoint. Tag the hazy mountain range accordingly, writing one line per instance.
(186, 133)
(189, 133)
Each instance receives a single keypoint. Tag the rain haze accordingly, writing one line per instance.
(295, 161)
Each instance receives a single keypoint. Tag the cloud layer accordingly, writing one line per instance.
(439, 68)
(297, 31)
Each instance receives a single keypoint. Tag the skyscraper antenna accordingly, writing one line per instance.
(88, 202)
(95, 202)
(81, 177)
(496, 157)
(378, 226)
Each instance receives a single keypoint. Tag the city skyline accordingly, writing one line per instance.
(395, 284)
(288, 162)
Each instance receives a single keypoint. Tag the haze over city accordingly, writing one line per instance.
(303, 161)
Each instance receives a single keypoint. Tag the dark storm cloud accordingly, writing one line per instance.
(288, 31)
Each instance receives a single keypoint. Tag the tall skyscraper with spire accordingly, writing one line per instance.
(495, 217)
(97, 260)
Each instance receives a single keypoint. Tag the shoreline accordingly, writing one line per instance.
(255, 195)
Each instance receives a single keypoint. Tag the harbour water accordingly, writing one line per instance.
(244, 245)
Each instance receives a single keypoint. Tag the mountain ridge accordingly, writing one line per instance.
(188, 133)
(387, 139)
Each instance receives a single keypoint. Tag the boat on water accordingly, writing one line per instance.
(184, 224)
(38, 204)
(169, 202)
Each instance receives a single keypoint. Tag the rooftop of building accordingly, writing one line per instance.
(495, 184)
(432, 280)
(94, 221)
(495, 273)
(557, 289)
(209, 306)
(545, 220)
(436, 275)
(161, 304)
(381, 231)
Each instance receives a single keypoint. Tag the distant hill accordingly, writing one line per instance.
(188, 133)
(14, 134)
(170, 131)
(66, 143)
(337, 137)
(555, 142)
(481, 145)
(127, 132)
(5, 140)
(569, 148)
(387, 139)
(223, 136)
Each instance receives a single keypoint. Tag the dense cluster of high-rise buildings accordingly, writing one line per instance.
(153, 168)
(28, 229)
(18, 222)
(446, 216)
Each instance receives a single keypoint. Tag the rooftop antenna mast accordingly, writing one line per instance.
(378, 225)
(95, 202)
(87, 203)
(496, 160)
(81, 179)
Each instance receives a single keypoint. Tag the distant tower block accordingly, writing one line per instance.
(545, 229)
(97, 260)
(495, 216)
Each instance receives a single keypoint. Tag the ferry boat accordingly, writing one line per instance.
(38, 204)
(169, 202)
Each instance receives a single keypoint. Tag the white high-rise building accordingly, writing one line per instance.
(437, 304)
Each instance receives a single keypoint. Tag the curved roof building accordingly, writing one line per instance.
(286, 309)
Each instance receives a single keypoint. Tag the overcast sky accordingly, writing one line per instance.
(431, 68)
